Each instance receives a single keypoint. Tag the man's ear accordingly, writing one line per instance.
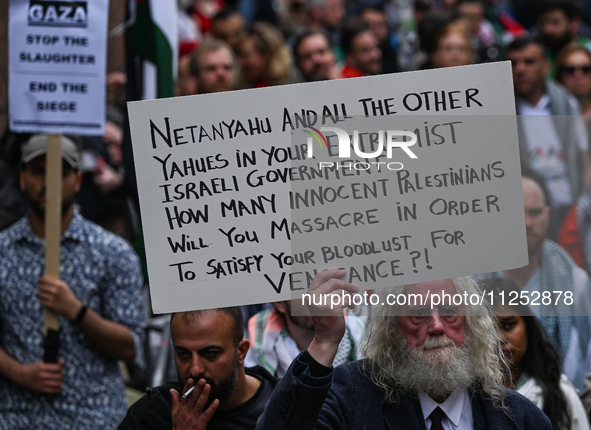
(242, 348)
(78, 181)
(547, 214)
(22, 180)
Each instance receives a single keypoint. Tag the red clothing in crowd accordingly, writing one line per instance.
(351, 72)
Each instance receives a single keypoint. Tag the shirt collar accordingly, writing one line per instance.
(543, 103)
(22, 231)
(452, 406)
(74, 231)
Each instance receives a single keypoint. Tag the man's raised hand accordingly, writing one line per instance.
(328, 316)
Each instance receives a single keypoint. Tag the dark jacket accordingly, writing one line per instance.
(154, 410)
(348, 399)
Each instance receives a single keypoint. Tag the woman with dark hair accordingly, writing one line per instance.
(535, 369)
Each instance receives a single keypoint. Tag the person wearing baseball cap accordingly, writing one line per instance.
(36, 146)
(32, 180)
(99, 301)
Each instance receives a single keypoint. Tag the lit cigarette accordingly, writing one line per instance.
(189, 391)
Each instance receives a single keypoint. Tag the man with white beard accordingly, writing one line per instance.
(428, 366)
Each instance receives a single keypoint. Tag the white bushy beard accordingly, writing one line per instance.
(438, 367)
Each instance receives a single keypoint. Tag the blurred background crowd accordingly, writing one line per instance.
(271, 42)
(224, 45)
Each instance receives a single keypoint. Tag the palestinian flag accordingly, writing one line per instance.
(155, 44)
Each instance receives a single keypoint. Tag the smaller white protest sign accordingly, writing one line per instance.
(238, 207)
(57, 63)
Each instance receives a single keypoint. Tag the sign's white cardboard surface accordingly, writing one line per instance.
(57, 63)
(215, 193)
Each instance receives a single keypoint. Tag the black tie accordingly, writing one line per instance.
(436, 416)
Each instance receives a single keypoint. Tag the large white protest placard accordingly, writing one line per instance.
(234, 211)
(57, 63)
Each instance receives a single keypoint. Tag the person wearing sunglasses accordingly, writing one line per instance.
(573, 70)
(559, 23)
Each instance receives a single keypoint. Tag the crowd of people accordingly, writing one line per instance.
(266, 366)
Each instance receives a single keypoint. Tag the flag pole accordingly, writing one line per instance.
(53, 232)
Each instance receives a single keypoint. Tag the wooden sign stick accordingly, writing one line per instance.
(53, 232)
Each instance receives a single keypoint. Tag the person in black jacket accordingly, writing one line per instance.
(431, 364)
(214, 390)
